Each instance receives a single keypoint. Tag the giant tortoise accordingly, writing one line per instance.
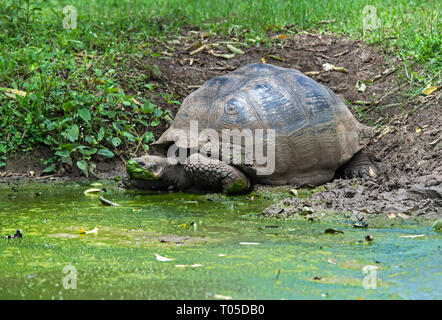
(303, 125)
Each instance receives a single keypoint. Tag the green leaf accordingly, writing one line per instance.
(116, 141)
(116, 127)
(129, 136)
(49, 169)
(87, 152)
(69, 106)
(156, 72)
(105, 153)
(72, 133)
(90, 139)
(84, 114)
(63, 154)
(28, 118)
(100, 134)
(144, 123)
(148, 137)
(109, 114)
(113, 90)
(66, 146)
(67, 160)
(82, 165)
(147, 107)
(154, 123)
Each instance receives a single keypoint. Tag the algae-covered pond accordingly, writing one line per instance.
(220, 248)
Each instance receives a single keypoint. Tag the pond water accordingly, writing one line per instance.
(220, 248)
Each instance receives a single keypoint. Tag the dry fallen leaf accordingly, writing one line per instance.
(198, 50)
(81, 231)
(271, 56)
(361, 86)
(161, 258)
(429, 90)
(413, 236)
(186, 265)
(279, 37)
(327, 66)
(386, 131)
(219, 296)
(340, 69)
(13, 93)
(331, 260)
(234, 50)
(136, 102)
(263, 60)
(194, 46)
(92, 190)
(330, 67)
(107, 202)
(223, 55)
(312, 73)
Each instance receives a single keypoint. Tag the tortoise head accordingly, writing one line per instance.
(150, 170)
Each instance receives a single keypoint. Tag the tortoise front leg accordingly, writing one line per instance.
(219, 175)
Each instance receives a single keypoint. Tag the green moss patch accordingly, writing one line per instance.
(237, 187)
(136, 171)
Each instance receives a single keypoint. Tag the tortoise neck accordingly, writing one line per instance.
(175, 175)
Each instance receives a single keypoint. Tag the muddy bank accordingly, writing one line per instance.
(406, 150)
(403, 198)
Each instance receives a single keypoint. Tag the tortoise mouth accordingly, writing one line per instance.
(136, 170)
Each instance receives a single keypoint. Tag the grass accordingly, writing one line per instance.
(75, 102)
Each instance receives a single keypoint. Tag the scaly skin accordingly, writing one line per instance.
(216, 173)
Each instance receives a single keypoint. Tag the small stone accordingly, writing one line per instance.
(360, 224)
(333, 231)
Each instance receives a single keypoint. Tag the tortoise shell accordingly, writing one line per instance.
(315, 133)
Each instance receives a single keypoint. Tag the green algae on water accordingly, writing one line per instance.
(119, 260)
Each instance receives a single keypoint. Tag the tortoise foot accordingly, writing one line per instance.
(360, 166)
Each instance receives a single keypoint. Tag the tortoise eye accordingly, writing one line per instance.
(233, 106)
